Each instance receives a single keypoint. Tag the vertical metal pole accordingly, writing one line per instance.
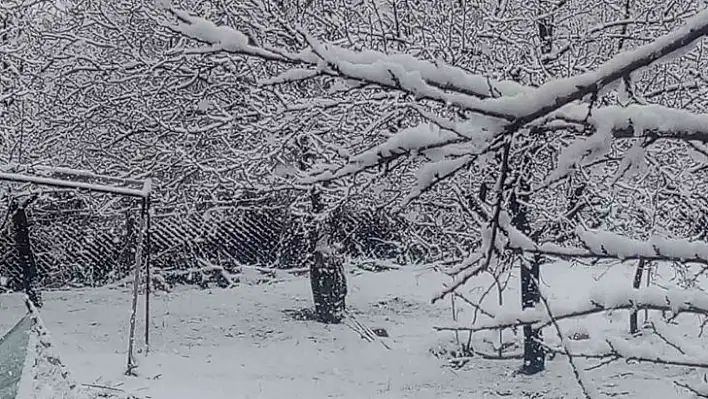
(132, 365)
(148, 280)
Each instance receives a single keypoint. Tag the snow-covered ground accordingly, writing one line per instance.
(243, 343)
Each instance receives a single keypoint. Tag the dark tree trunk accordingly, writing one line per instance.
(633, 325)
(329, 287)
(534, 355)
(25, 255)
(327, 278)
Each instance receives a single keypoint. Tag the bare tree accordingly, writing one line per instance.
(569, 127)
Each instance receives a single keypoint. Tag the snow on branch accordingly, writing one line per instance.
(526, 106)
(448, 146)
(220, 38)
(616, 348)
(420, 139)
(553, 95)
(434, 172)
(676, 301)
(516, 104)
(652, 121)
(700, 391)
(637, 120)
(605, 244)
(444, 77)
(587, 388)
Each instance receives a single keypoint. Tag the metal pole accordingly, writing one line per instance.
(132, 365)
(148, 281)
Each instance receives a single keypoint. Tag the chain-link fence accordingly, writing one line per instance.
(200, 246)
(90, 239)
(76, 239)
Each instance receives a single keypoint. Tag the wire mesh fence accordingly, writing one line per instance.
(90, 240)
(76, 239)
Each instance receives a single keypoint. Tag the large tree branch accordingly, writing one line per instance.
(518, 104)
(604, 244)
(653, 298)
(555, 94)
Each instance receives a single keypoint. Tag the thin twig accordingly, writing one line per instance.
(588, 392)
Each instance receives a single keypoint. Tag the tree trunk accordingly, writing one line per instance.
(534, 355)
(329, 285)
(25, 255)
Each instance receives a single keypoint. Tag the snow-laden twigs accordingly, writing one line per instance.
(517, 104)
(606, 244)
(489, 242)
(698, 392)
(614, 349)
(421, 139)
(448, 78)
(587, 388)
(611, 349)
(676, 301)
(553, 95)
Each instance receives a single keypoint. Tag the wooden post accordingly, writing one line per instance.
(132, 365)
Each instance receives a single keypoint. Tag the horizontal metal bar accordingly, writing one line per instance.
(46, 181)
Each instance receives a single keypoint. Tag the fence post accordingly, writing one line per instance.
(633, 323)
(132, 365)
(148, 278)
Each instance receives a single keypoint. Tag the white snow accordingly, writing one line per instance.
(476, 92)
(290, 75)
(238, 343)
(649, 117)
(417, 138)
(431, 172)
(224, 37)
(605, 242)
(582, 151)
(633, 163)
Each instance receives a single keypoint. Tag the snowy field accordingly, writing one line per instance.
(243, 343)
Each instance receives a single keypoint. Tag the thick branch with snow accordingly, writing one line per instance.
(675, 301)
(516, 104)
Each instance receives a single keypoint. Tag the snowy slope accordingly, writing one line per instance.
(240, 343)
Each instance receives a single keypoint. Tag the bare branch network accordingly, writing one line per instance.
(509, 121)
(503, 108)
(499, 161)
